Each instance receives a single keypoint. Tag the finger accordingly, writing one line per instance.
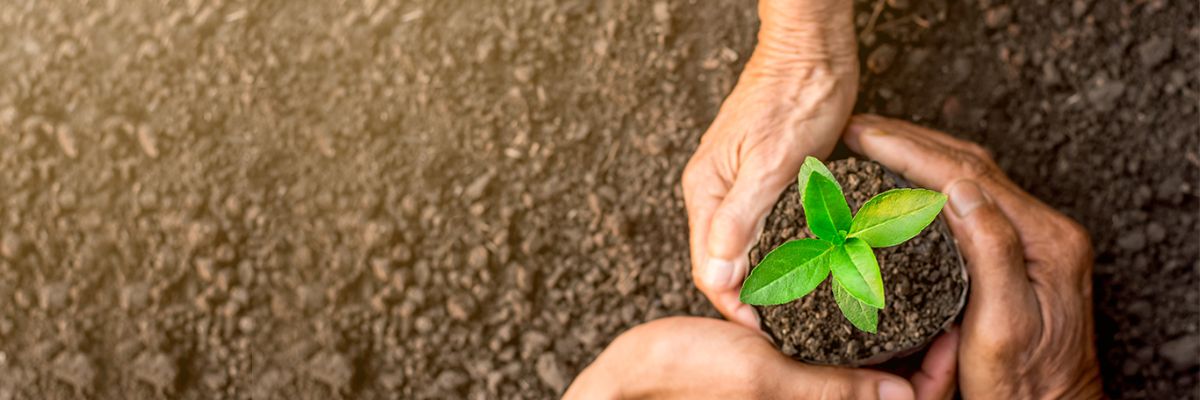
(1000, 288)
(719, 279)
(703, 191)
(936, 379)
(738, 221)
(914, 131)
(801, 381)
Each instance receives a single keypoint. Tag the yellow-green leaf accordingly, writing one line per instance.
(896, 216)
(812, 165)
(862, 316)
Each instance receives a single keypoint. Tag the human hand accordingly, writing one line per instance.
(1028, 330)
(791, 101)
(704, 358)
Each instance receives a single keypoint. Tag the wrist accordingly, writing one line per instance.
(816, 35)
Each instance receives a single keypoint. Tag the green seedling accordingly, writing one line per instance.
(844, 246)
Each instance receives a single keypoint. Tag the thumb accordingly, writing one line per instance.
(735, 227)
(1000, 289)
(803, 381)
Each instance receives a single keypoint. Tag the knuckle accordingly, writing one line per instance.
(979, 152)
(1002, 239)
(975, 166)
(999, 344)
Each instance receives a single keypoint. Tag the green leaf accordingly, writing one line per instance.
(787, 273)
(855, 268)
(862, 316)
(812, 165)
(896, 215)
(825, 209)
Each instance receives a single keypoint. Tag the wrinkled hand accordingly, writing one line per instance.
(704, 358)
(1028, 330)
(791, 101)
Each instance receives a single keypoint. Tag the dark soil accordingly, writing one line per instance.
(424, 199)
(923, 278)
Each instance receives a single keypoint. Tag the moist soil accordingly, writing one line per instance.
(924, 281)
(420, 199)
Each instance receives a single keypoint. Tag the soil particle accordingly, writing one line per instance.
(1104, 92)
(332, 369)
(460, 307)
(1154, 51)
(997, 17)
(550, 373)
(1182, 352)
(923, 280)
(881, 58)
(156, 369)
(75, 369)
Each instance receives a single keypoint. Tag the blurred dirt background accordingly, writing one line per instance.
(470, 199)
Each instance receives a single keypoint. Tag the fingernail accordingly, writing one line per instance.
(718, 273)
(746, 315)
(892, 390)
(965, 197)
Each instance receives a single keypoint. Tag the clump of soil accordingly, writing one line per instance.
(923, 279)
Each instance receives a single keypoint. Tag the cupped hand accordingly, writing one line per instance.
(791, 101)
(704, 358)
(1028, 330)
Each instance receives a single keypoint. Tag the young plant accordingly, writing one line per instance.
(844, 247)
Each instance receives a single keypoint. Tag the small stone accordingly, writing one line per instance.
(1155, 232)
(478, 258)
(239, 296)
(451, 380)
(75, 369)
(1183, 352)
(11, 245)
(134, 296)
(998, 17)
(550, 372)
(53, 296)
(156, 369)
(1154, 51)
(6, 326)
(662, 11)
(424, 324)
(881, 58)
(66, 140)
(205, 268)
(460, 307)
(1103, 93)
(899, 4)
(67, 199)
(523, 74)
(247, 325)
(147, 142)
(476, 189)
(381, 268)
(1132, 241)
(332, 369)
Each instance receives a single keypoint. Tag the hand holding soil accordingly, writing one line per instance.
(791, 101)
(1028, 329)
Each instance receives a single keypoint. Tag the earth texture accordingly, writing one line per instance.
(447, 199)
